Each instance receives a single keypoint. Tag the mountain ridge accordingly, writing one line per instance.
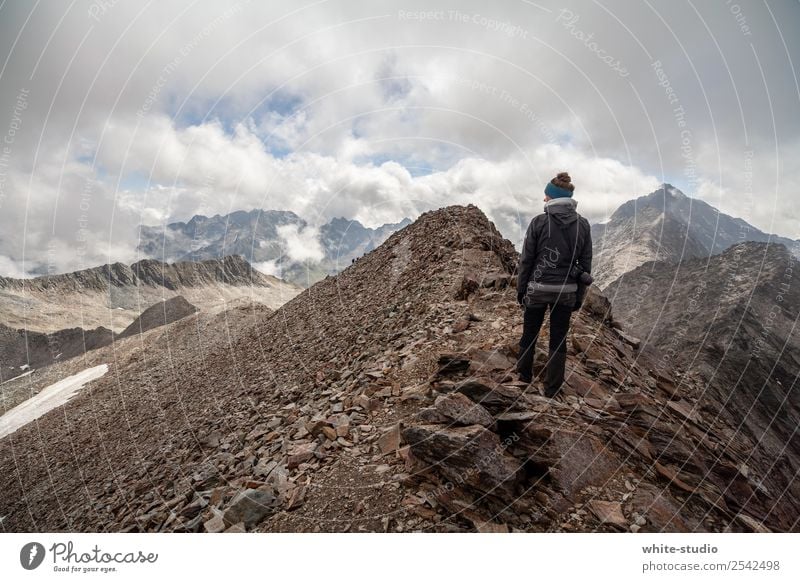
(113, 295)
(382, 399)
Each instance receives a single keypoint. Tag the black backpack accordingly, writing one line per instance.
(576, 269)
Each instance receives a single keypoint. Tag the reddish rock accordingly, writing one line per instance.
(462, 410)
(300, 454)
(578, 385)
(632, 399)
(494, 397)
(389, 441)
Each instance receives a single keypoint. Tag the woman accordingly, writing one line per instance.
(557, 248)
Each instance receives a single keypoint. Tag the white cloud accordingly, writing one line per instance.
(269, 268)
(301, 244)
(15, 269)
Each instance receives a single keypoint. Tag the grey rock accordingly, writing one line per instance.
(250, 507)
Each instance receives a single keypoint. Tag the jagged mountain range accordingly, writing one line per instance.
(667, 225)
(112, 296)
(381, 399)
(257, 235)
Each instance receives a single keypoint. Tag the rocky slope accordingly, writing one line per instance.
(380, 400)
(732, 320)
(257, 236)
(114, 295)
(667, 225)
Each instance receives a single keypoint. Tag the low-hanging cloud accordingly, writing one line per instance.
(301, 244)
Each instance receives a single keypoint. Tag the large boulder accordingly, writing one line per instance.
(470, 456)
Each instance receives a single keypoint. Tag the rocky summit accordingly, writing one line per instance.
(382, 399)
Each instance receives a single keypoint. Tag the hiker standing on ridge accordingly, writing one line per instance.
(553, 272)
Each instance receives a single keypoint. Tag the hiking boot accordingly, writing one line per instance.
(552, 393)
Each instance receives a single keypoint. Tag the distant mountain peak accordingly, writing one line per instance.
(665, 190)
(667, 225)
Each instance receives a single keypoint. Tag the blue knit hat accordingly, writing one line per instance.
(560, 187)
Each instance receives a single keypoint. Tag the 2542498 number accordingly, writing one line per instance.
(755, 565)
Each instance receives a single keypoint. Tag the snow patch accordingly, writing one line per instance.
(51, 397)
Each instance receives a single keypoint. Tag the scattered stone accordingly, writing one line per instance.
(300, 454)
(632, 400)
(577, 385)
(485, 361)
(461, 325)
(496, 280)
(496, 398)
(634, 342)
(467, 287)
(215, 525)
(452, 364)
(430, 416)
(296, 498)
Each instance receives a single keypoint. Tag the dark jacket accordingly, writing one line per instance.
(553, 242)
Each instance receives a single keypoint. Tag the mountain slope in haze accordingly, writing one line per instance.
(667, 225)
(257, 236)
(380, 399)
(114, 295)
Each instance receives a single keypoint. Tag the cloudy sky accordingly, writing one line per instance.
(116, 113)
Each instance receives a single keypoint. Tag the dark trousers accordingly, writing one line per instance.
(559, 326)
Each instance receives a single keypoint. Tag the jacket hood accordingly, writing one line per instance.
(562, 210)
